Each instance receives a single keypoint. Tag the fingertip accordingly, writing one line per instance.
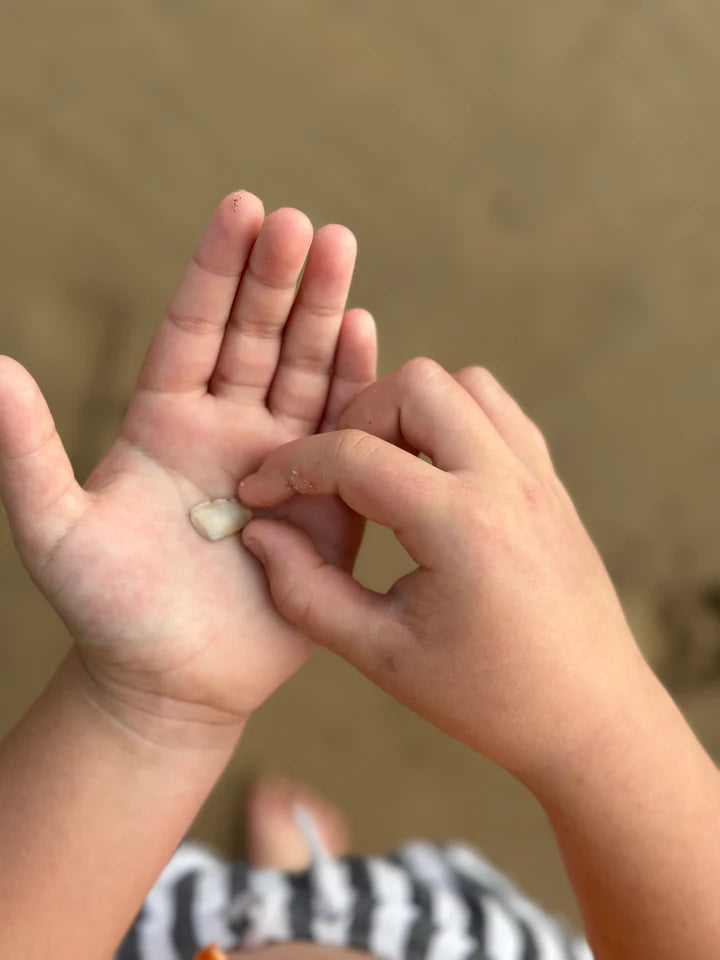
(360, 323)
(246, 492)
(341, 237)
(240, 205)
(13, 375)
(355, 364)
(224, 244)
(266, 489)
(244, 198)
(282, 246)
(290, 218)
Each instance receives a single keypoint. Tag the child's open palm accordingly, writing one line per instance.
(244, 361)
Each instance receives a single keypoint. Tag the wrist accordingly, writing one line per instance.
(85, 783)
(634, 738)
(147, 720)
(636, 816)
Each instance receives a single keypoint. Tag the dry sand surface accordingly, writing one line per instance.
(534, 187)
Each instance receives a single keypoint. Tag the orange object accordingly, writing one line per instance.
(213, 952)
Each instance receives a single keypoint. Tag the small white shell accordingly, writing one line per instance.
(216, 519)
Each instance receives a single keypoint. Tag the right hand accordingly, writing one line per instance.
(509, 635)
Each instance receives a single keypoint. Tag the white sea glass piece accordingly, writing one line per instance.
(216, 519)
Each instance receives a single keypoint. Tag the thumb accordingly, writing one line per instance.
(324, 602)
(37, 484)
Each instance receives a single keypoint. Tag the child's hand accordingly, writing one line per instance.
(166, 620)
(509, 634)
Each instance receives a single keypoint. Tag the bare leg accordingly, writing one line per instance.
(274, 838)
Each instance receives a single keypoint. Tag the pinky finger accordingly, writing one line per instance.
(355, 365)
(509, 419)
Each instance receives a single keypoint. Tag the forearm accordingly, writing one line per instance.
(91, 812)
(637, 821)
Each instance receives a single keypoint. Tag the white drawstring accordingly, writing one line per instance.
(330, 901)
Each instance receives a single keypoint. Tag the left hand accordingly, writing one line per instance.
(508, 635)
(243, 362)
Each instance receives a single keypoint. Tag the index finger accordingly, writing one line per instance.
(376, 479)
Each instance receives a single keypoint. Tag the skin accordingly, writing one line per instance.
(239, 365)
(176, 641)
(508, 636)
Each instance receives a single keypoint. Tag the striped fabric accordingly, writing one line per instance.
(423, 902)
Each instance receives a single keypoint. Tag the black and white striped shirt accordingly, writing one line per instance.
(423, 902)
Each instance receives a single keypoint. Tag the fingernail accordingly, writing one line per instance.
(241, 489)
(245, 480)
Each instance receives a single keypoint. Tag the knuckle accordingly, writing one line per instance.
(259, 327)
(206, 267)
(482, 515)
(322, 309)
(465, 504)
(196, 325)
(522, 495)
(532, 493)
(420, 370)
(295, 600)
(268, 280)
(354, 444)
(479, 378)
(312, 363)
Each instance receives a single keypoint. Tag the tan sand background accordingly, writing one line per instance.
(534, 186)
